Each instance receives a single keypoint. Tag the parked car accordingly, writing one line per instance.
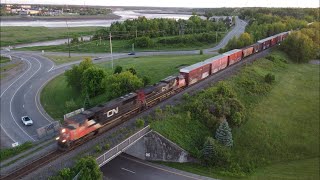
(26, 120)
(132, 53)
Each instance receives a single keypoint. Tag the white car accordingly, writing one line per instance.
(26, 120)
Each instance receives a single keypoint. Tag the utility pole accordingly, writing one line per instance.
(216, 36)
(68, 38)
(132, 47)
(111, 50)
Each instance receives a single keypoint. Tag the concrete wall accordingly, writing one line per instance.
(154, 147)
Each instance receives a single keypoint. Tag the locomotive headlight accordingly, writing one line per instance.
(57, 138)
(64, 140)
(63, 130)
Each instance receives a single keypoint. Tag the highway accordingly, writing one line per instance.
(20, 96)
(125, 167)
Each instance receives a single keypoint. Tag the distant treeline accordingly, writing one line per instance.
(153, 28)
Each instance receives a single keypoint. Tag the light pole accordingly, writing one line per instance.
(111, 50)
(68, 38)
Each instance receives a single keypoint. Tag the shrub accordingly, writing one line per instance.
(269, 78)
(139, 123)
(98, 148)
(201, 51)
(107, 146)
(117, 70)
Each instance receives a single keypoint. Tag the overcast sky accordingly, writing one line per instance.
(179, 3)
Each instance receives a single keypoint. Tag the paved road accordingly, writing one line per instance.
(126, 167)
(20, 96)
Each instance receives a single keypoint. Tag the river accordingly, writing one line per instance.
(88, 22)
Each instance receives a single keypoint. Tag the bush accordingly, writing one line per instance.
(117, 70)
(140, 123)
(98, 148)
(107, 146)
(269, 78)
(143, 42)
(201, 52)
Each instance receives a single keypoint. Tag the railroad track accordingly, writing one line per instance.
(34, 165)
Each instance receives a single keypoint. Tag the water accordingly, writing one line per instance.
(88, 22)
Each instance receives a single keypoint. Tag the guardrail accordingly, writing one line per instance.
(118, 149)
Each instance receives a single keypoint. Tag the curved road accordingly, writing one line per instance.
(20, 96)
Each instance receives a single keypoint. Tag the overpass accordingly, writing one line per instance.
(121, 147)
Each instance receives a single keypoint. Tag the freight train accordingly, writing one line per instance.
(105, 116)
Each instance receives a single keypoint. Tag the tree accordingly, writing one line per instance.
(207, 151)
(299, 47)
(74, 75)
(224, 135)
(88, 169)
(74, 40)
(92, 81)
(120, 84)
(86, 102)
(117, 70)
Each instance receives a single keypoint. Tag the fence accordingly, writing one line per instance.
(118, 149)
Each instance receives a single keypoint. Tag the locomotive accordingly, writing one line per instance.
(105, 116)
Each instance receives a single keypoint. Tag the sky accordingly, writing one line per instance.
(179, 3)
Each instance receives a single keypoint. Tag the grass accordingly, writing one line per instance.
(56, 93)
(120, 46)
(8, 67)
(10, 152)
(20, 35)
(281, 132)
(65, 59)
(4, 59)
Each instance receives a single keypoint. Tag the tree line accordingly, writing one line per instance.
(159, 27)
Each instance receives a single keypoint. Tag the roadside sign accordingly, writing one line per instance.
(15, 144)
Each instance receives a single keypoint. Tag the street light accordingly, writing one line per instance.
(68, 38)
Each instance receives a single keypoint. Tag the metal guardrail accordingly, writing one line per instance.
(118, 149)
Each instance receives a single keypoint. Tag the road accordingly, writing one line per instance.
(20, 96)
(125, 167)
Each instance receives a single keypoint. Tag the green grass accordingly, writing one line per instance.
(10, 152)
(282, 125)
(56, 93)
(119, 46)
(4, 59)
(65, 59)
(19, 35)
(300, 169)
(8, 67)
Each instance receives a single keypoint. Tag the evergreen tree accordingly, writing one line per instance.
(224, 135)
(86, 102)
(207, 151)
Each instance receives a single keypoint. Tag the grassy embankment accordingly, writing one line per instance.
(56, 93)
(20, 35)
(122, 46)
(4, 59)
(280, 137)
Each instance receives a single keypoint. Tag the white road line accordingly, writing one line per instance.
(128, 170)
(22, 106)
(18, 78)
(36, 98)
(159, 168)
(16, 93)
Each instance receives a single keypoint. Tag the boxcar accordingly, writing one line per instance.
(247, 51)
(234, 56)
(217, 63)
(195, 72)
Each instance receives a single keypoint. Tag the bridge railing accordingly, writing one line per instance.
(118, 149)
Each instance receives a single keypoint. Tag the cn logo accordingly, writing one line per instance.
(112, 112)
